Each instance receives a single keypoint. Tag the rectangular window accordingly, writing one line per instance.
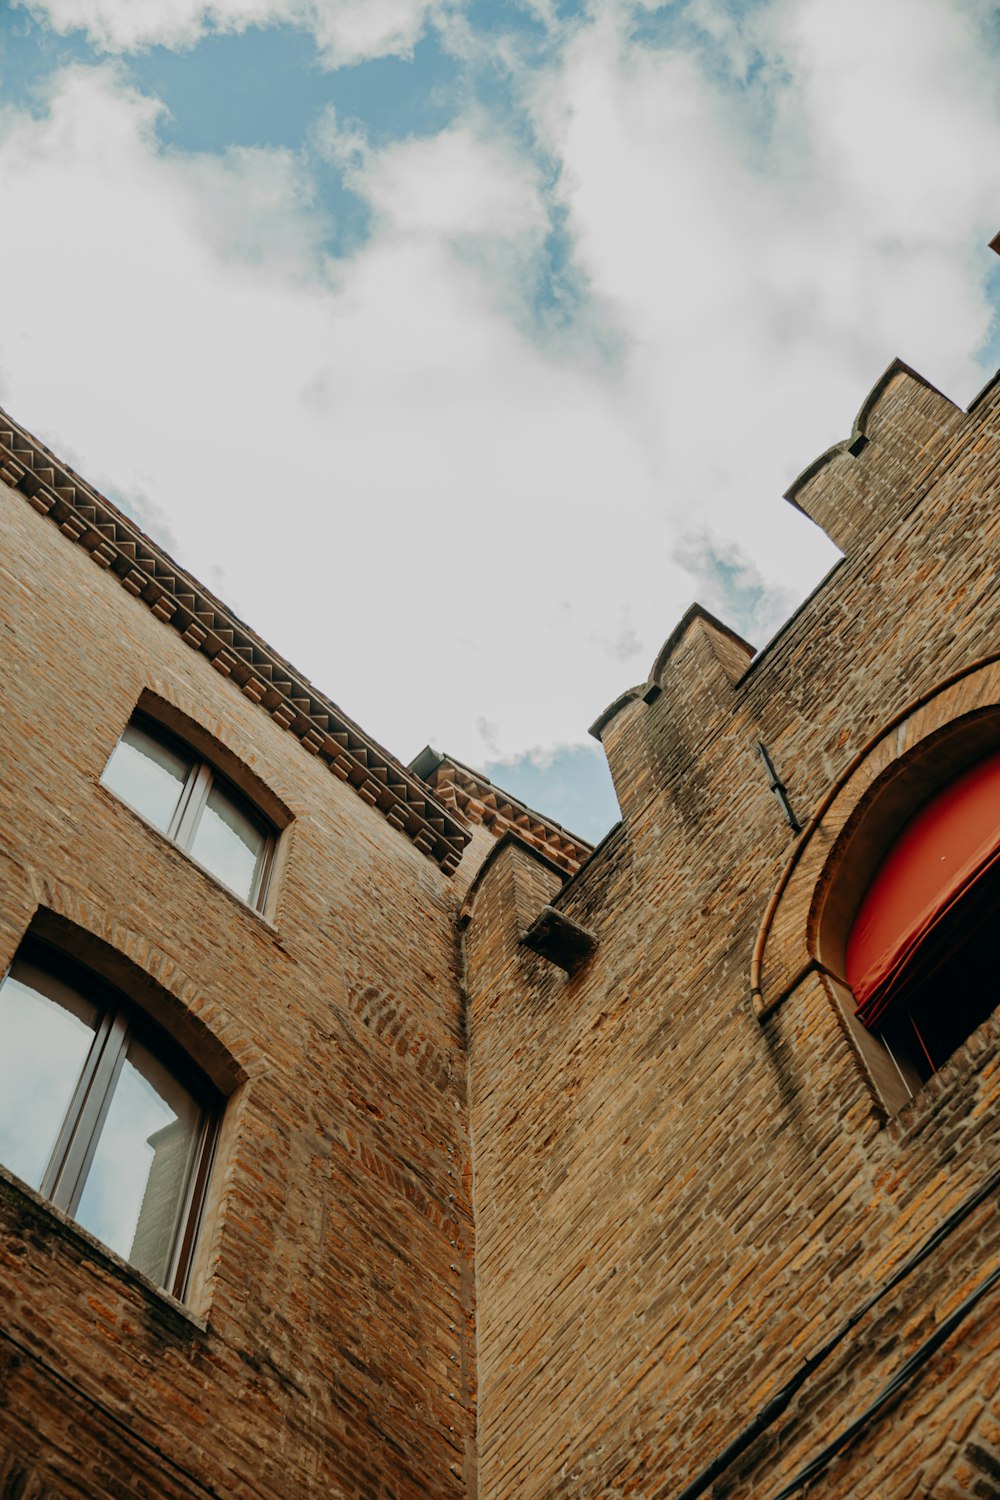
(188, 800)
(102, 1114)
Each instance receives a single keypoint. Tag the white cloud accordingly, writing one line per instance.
(455, 185)
(769, 252)
(406, 494)
(438, 508)
(346, 31)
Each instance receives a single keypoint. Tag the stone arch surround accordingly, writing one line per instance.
(178, 708)
(205, 1030)
(920, 749)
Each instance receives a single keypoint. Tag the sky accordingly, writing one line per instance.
(459, 345)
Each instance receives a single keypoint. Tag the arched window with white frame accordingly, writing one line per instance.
(102, 1113)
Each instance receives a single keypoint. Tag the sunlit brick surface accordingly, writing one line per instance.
(676, 1203)
(684, 1168)
(336, 1284)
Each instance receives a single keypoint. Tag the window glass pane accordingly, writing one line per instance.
(148, 775)
(135, 1189)
(46, 1032)
(229, 842)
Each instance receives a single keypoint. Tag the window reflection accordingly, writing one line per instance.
(46, 1033)
(148, 774)
(194, 805)
(135, 1186)
(107, 1121)
(229, 843)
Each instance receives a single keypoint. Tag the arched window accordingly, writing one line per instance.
(921, 955)
(185, 797)
(102, 1114)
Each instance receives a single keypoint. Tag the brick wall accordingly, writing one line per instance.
(683, 1167)
(331, 1348)
(678, 1201)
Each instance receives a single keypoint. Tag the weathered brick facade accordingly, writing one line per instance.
(682, 1188)
(331, 1347)
(501, 1218)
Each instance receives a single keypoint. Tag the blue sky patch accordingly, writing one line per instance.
(490, 18)
(559, 371)
(572, 786)
(30, 54)
(265, 87)
(990, 356)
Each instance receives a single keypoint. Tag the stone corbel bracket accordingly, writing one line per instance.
(559, 939)
(146, 572)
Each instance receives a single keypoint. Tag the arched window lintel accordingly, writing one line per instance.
(918, 752)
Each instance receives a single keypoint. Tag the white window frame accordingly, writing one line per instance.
(183, 826)
(76, 1143)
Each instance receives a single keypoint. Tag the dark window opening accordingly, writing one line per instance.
(955, 987)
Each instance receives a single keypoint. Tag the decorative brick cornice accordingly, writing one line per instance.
(146, 572)
(480, 801)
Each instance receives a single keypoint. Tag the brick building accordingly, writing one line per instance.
(365, 1134)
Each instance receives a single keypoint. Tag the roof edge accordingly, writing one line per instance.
(425, 762)
(501, 808)
(985, 390)
(147, 572)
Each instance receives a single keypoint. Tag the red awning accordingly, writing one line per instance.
(946, 852)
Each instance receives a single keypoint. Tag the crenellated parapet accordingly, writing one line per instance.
(653, 733)
(909, 444)
(905, 434)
